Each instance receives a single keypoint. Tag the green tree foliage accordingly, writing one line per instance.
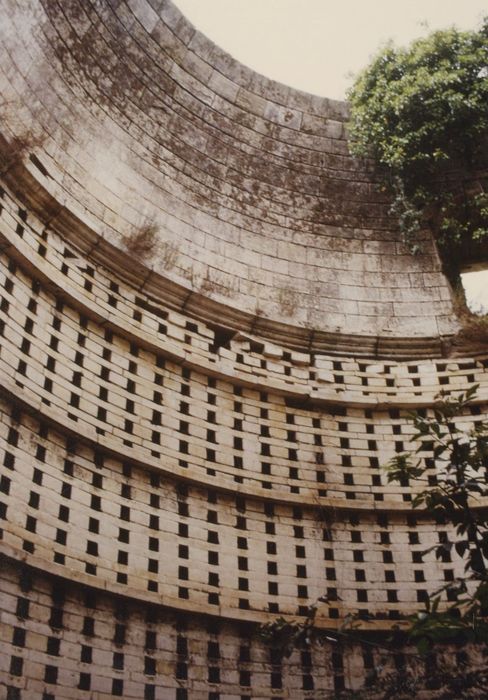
(458, 499)
(422, 113)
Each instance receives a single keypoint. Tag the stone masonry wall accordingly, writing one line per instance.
(192, 439)
(140, 120)
(217, 482)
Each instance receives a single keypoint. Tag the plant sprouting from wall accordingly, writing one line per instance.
(144, 243)
(141, 242)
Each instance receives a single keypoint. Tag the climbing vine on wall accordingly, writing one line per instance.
(422, 113)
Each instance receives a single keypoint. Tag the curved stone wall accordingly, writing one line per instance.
(177, 468)
(128, 653)
(139, 119)
(143, 380)
(220, 477)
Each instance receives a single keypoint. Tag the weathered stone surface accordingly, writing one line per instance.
(210, 338)
(143, 119)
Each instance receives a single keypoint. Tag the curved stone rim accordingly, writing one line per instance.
(174, 295)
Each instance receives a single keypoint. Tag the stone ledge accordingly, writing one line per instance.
(59, 421)
(172, 294)
(213, 611)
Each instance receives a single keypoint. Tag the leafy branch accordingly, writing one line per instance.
(461, 460)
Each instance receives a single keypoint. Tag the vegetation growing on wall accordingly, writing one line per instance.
(457, 496)
(421, 112)
(141, 242)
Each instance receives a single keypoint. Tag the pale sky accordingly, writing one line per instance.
(314, 44)
(476, 289)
